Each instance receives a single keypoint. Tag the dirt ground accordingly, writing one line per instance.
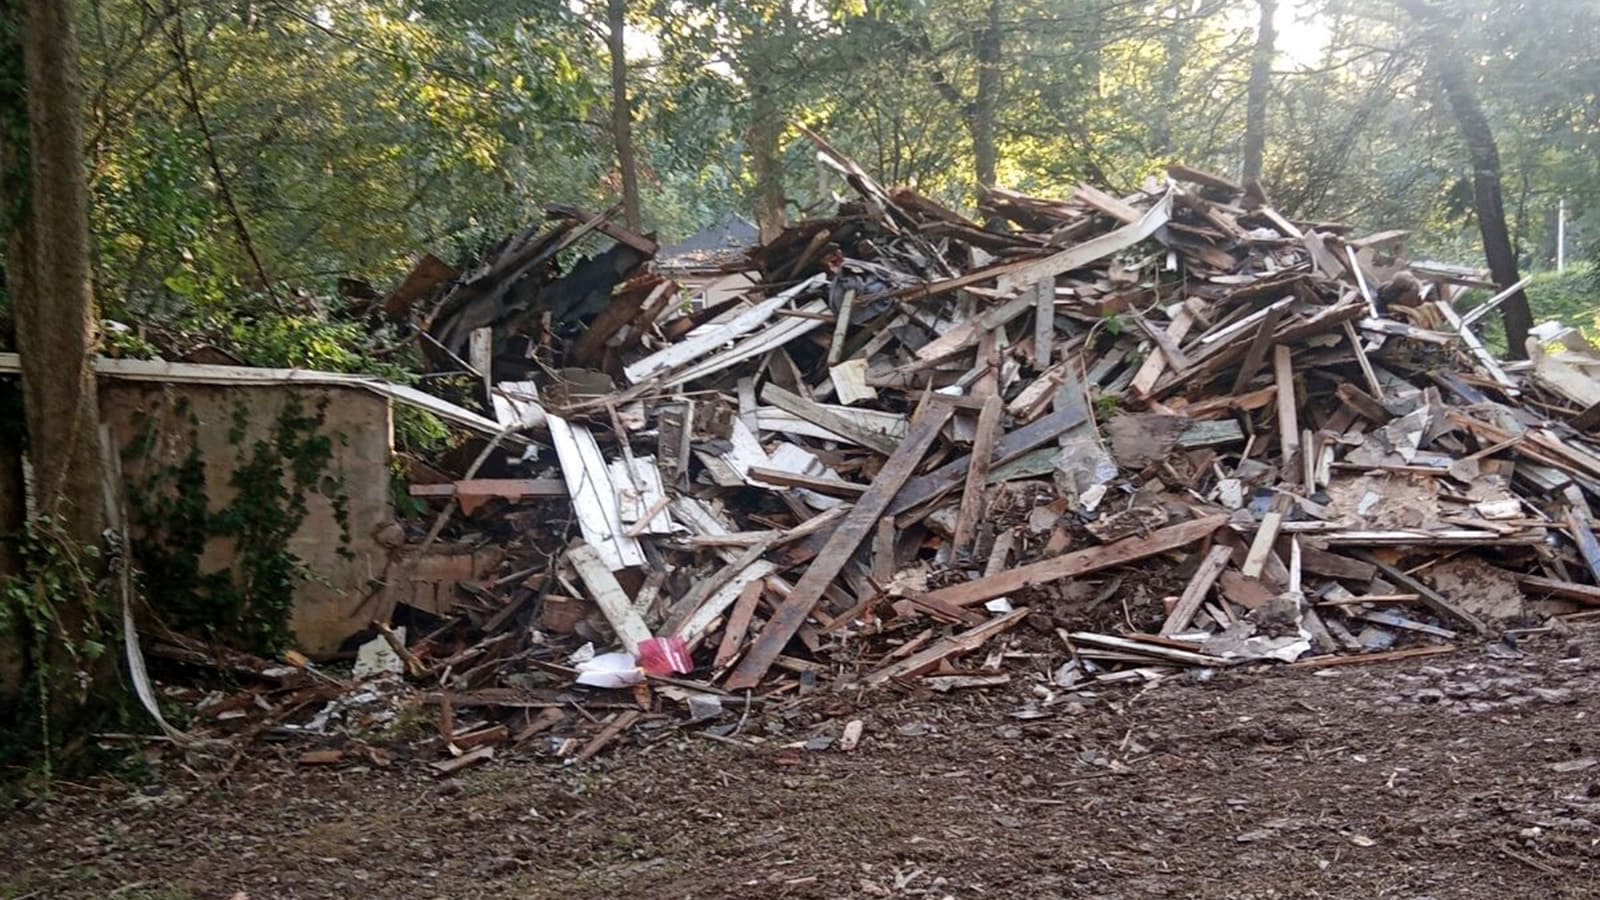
(1462, 775)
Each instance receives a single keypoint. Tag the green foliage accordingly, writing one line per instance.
(57, 613)
(1571, 297)
(272, 478)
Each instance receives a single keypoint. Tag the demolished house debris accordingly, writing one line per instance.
(1093, 440)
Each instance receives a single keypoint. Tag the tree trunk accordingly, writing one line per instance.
(55, 310)
(985, 102)
(622, 115)
(1255, 115)
(766, 163)
(1487, 200)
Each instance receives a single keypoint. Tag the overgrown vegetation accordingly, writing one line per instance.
(61, 617)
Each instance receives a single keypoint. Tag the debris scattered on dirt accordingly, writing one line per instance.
(1086, 442)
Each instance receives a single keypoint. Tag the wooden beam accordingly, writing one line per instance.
(825, 486)
(1566, 590)
(822, 417)
(1366, 364)
(744, 610)
(1430, 597)
(841, 329)
(943, 649)
(1261, 547)
(1071, 565)
(1009, 447)
(1044, 323)
(1195, 592)
(1288, 419)
(841, 545)
(1165, 353)
(614, 603)
(1257, 354)
(973, 495)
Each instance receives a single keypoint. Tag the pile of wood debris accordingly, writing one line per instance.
(1089, 441)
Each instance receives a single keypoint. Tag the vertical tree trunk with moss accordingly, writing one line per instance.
(48, 276)
(621, 113)
(56, 311)
(1255, 113)
(766, 163)
(18, 257)
(985, 103)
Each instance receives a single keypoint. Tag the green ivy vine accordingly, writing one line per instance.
(249, 604)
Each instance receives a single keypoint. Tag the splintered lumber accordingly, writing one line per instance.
(1080, 562)
(470, 758)
(1032, 271)
(840, 423)
(830, 487)
(1195, 592)
(1475, 347)
(1261, 546)
(608, 595)
(1430, 597)
(1288, 422)
(620, 723)
(1148, 649)
(841, 328)
(1581, 530)
(1158, 360)
(943, 649)
(699, 344)
(1044, 322)
(1322, 662)
(744, 609)
(1010, 447)
(841, 545)
(1551, 587)
(1366, 364)
(594, 499)
(977, 472)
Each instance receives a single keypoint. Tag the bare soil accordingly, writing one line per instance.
(1464, 775)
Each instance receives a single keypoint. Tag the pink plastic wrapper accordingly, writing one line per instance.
(664, 656)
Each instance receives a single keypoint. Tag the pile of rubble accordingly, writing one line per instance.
(1088, 441)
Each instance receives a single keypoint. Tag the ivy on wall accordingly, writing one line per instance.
(174, 518)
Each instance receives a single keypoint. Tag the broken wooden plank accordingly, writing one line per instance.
(841, 545)
(943, 649)
(1044, 323)
(1261, 546)
(738, 625)
(1070, 565)
(694, 347)
(1161, 357)
(1288, 421)
(620, 723)
(594, 498)
(841, 328)
(1538, 585)
(972, 498)
(1010, 447)
(856, 431)
(1430, 597)
(1194, 593)
(1147, 649)
(614, 603)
